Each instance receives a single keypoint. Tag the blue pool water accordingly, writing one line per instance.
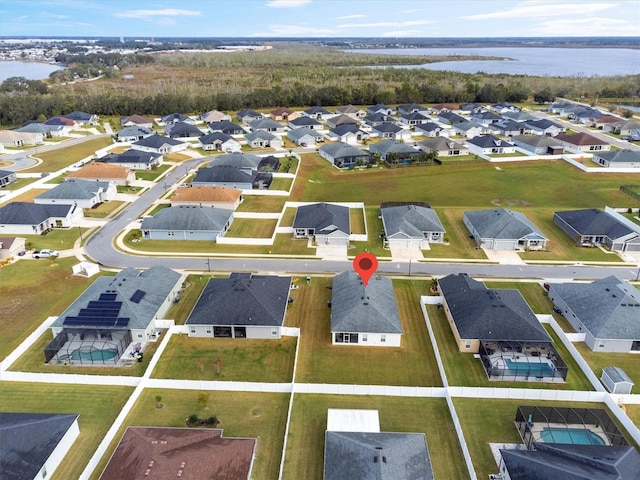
(575, 436)
(532, 368)
(93, 355)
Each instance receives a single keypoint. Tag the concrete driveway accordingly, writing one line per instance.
(332, 252)
(404, 254)
(504, 257)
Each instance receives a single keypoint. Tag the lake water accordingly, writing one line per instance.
(555, 62)
(29, 70)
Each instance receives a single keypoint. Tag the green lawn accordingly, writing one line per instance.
(103, 210)
(229, 359)
(321, 362)
(629, 362)
(97, 407)
(63, 157)
(251, 228)
(191, 290)
(241, 414)
(23, 306)
(633, 412)
(279, 183)
(288, 217)
(29, 195)
(129, 189)
(374, 227)
(261, 204)
(19, 183)
(460, 245)
(56, 239)
(357, 221)
(151, 175)
(304, 456)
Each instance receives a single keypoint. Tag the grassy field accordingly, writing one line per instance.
(63, 157)
(261, 204)
(241, 414)
(151, 175)
(281, 184)
(304, 457)
(191, 290)
(629, 362)
(251, 228)
(321, 362)
(23, 306)
(103, 210)
(97, 407)
(460, 245)
(56, 239)
(229, 359)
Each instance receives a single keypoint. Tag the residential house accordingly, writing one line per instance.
(283, 114)
(447, 117)
(266, 125)
(364, 315)
(231, 177)
(468, 129)
(218, 197)
(305, 137)
(7, 177)
(226, 127)
(543, 127)
(626, 127)
(503, 229)
(485, 118)
(342, 120)
(469, 108)
(247, 116)
(605, 310)
(586, 116)
(176, 118)
(583, 142)
(83, 118)
(99, 171)
(159, 144)
(183, 130)
(22, 218)
(444, 147)
(519, 116)
(11, 247)
(65, 123)
(13, 138)
(305, 122)
(445, 107)
(595, 227)
(133, 134)
(44, 131)
(187, 222)
(136, 121)
(326, 223)
(431, 130)
(214, 116)
(375, 119)
(34, 444)
(624, 158)
(319, 113)
(411, 226)
(348, 133)
(499, 325)
(413, 119)
(391, 131)
(113, 315)
(246, 162)
(244, 305)
(220, 142)
(394, 152)
(152, 452)
(352, 111)
(561, 107)
(488, 144)
(382, 109)
(508, 128)
(263, 139)
(133, 159)
(343, 155)
(504, 107)
(606, 121)
(413, 108)
(83, 193)
(538, 144)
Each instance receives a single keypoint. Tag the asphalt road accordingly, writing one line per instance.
(100, 248)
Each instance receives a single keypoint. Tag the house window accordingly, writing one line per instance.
(467, 344)
(193, 330)
(364, 337)
(208, 330)
(274, 331)
(601, 345)
(383, 338)
(139, 335)
(170, 234)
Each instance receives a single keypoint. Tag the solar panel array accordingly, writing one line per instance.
(100, 313)
(137, 296)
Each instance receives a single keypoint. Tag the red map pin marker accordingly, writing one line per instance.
(365, 264)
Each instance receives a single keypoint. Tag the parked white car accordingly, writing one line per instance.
(46, 253)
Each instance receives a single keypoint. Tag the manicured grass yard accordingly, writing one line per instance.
(63, 157)
(279, 183)
(191, 290)
(288, 217)
(320, 362)
(229, 359)
(56, 239)
(103, 210)
(19, 183)
(374, 229)
(357, 221)
(633, 412)
(251, 228)
(151, 175)
(97, 407)
(241, 414)
(629, 362)
(460, 245)
(23, 306)
(29, 195)
(304, 457)
(261, 204)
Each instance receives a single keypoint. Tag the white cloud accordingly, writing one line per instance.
(276, 30)
(287, 3)
(347, 17)
(540, 9)
(167, 12)
(409, 23)
(595, 26)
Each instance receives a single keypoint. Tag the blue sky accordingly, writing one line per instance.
(320, 18)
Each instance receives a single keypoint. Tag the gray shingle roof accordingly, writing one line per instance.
(227, 127)
(188, 217)
(130, 156)
(502, 224)
(27, 440)
(215, 137)
(620, 156)
(359, 309)
(608, 308)
(483, 314)
(537, 140)
(324, 217)
(551, 461)
(236, 160)
(23, 213)
(157, 283)
(387, 128)
(223, 173)
(298, 133)
(73, 189)
(260, 135)
(157, 141)
(376, 456)
(174, 117)
(304, 122)
(542, 124)
(410, 221)
(442, 143)
(489, 141)
(317, 110)
(265, 123)
(592, 221)
(134, 131)
(392, 146)
(342, 150)
(242, 299)
(183, 130)
(617, 375)
(429, 127)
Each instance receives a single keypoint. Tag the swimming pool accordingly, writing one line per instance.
(94, 355)
(575, 436)
(532, 368)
